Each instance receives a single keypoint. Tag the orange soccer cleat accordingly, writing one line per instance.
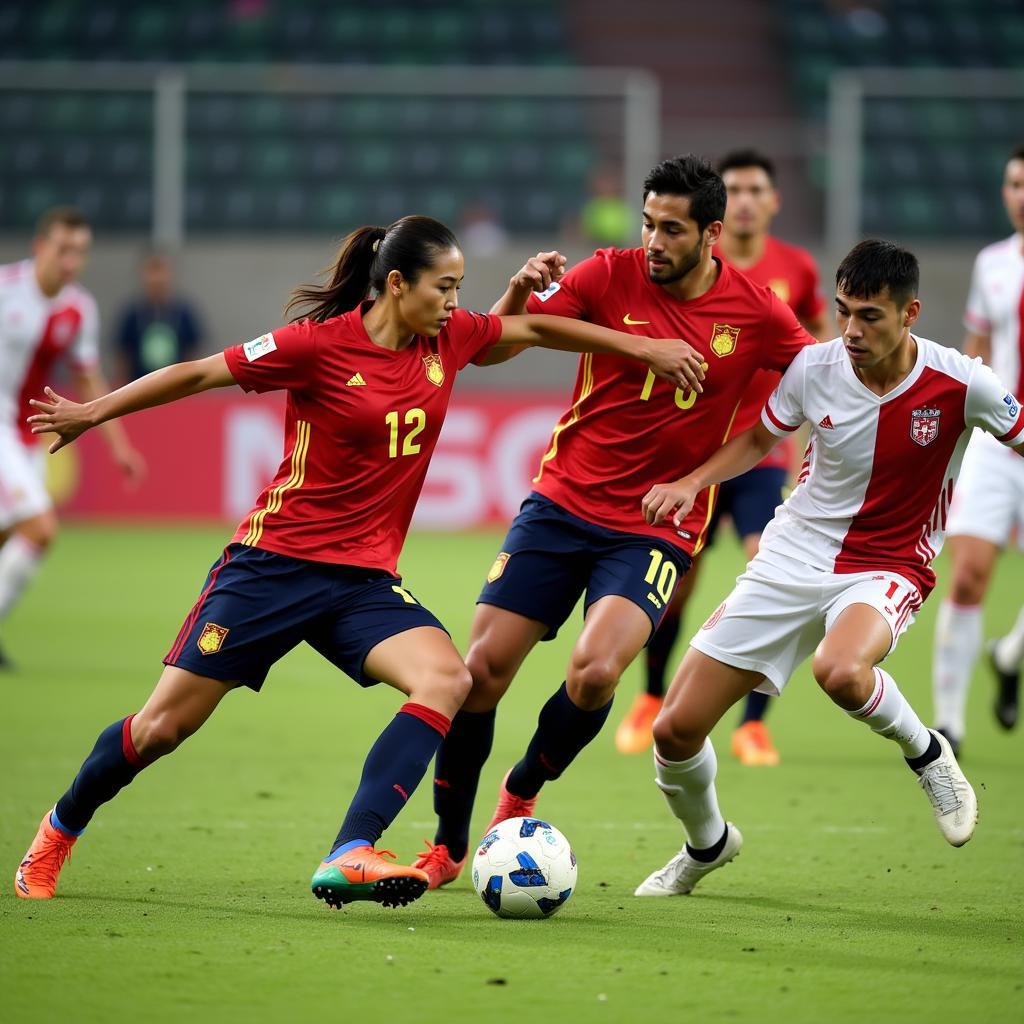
(510, 805)
(36, 877)
(362, 873)
(752, 744)
(635, 732)
(438, 865)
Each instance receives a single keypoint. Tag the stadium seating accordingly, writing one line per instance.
(931, 165)
(288, 162)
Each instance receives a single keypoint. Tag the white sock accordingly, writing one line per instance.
(689, 788)
(1009, 649)
(889, 714)
(957, 643)
(19, 562)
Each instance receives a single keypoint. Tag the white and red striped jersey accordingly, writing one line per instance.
(879, 474)
(995, 306)
(36, 331)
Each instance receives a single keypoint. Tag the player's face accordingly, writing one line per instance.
(426, 304)
(1013, 193)
(671, 238)
(752, 201)
(873, 328)
(60, 254)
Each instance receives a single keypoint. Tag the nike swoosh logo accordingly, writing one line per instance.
(629, 320)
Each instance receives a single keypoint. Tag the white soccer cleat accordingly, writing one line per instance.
(953, 799)
(683, 872)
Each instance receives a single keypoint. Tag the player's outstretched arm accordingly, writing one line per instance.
(670, 358)
(743, 452)
(536, 275)
(69, 419)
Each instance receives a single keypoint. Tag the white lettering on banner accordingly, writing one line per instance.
(253, 447)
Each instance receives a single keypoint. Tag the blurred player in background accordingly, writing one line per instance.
(159, 327)
(846, 561)
(581, 531)
(751, 499)
(45, 316)
(368, 385)
(988, 507)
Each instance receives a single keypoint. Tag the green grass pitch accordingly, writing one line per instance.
(188, 897)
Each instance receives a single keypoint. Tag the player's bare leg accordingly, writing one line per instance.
(22, 549)
(177, 708)
(958, 632)
(634, 734)
(685, 766)
(845, 666)
(751, 741)
(499, 642)
(421, 663)
(1006, 655)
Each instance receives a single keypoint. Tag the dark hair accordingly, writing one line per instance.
(873, 266)
(365, 259)
(68, 216)
(746, 158)
(694, 179)
(1017, 154)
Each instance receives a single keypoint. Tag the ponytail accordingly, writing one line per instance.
(365, 259)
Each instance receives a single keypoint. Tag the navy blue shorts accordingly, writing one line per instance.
(749, 500)
(550, 557)
(257, 605)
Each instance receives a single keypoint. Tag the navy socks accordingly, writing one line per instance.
(563, 730)
(113, 763)
(755, 707)
(460, 759)
(392, 771)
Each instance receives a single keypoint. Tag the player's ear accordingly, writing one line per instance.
(395, 282)
(912, 312)
(713, 232)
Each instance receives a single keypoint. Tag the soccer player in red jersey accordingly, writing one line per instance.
(368, 384)
(581, 531)
(751, 499)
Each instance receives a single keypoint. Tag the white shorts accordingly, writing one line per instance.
(989, 498)
(23, 492)
(782, 608)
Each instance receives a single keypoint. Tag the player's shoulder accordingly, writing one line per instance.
(612, 261)
(999, 252)
(947, 360)
(78, 295)
(823, 354)
(12, 274)
(790, 253)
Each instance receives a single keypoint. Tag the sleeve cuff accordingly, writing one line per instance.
(774, 424)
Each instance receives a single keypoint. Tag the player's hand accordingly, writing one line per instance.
(60, 416)
(132, 464)
(675, 360)
(539, 271)
(664, 499)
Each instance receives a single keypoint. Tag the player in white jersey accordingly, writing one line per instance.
(989, 501)
(847, 560)
(45, 316)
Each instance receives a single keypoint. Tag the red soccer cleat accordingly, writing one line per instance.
(438, 865)
(510, 805)
(36, 877)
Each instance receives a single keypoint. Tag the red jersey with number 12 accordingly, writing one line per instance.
(360, 427)
(626, 429)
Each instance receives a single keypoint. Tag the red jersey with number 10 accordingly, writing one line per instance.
(360, 427)
(626, 429)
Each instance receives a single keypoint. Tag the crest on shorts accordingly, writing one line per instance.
(715, 616)
(435, 370)
(723, 339)
(924, 426)
(211, 639)
(499, 566)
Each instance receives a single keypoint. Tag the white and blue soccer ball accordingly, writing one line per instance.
(524, 867)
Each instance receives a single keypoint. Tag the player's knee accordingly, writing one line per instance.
(592, 680)
(158, 734)
(41, 532)
(676, 737)
(489, 676)
(970, 581)
(842, 678)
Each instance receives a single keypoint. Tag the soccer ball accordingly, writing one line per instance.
(524, 867)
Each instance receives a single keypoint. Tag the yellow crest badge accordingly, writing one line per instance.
(212, 638)
(435, 369)
(723, 339)
(499, 566)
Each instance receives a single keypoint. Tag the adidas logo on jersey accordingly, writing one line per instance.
(356, 381)
(825, 424)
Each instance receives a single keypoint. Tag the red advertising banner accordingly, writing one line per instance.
(209, 457)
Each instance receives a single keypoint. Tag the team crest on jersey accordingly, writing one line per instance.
(924, 426)
(435, 370)
(723, 339)
(780, 286)
(212, 638)
(715, 616)
(499, 566)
